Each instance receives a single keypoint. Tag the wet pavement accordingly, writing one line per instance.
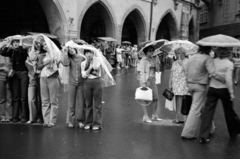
(124, 135)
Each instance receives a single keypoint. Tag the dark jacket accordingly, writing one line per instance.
(17, 56)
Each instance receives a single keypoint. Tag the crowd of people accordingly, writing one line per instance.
(207, 79)
(30, 76)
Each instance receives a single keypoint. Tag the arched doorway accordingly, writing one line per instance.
(191, 31)
(97, 22)
(167, 28)
(133, 28)
(21, 16)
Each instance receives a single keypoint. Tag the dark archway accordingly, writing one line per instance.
(191, 31)
(21, 16)
(167, 28)
(97, 22)
(133, 28)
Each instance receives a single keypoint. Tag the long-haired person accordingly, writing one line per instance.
(96, 70)
(72, 59)
(36, 52)
(49, 81)
(148, 67)
(19, 81)
(224, 92)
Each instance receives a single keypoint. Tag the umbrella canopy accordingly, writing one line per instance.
(156, 44)
(46, 34)
(107, 39)
(187, 45)
(127, 42)
(80, 41)
(219, 41)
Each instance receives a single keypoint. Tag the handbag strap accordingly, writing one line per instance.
(143, 104)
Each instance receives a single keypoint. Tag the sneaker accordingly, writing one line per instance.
(81, 125)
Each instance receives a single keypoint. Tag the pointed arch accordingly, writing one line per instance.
(57, 21)
(106, 17)
(191, 30)
(136, 16)
(167, 26)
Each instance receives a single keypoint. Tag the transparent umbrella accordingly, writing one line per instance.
(187, 45)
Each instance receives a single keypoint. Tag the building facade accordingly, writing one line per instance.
(132, 20)
(220, 17)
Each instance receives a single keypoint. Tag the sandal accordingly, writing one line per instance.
(96, 128)
(50, 125)
(87, 127)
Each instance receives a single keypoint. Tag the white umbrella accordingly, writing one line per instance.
(219, 41)
(107, 39)
(173, 45)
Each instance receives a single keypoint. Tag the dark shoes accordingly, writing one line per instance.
(178, 122)
(187, 138)
(204, 140)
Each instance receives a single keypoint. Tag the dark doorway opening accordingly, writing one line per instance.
(97, 22)
(163, 30)
(191, 32)
(129, 32)
(21, 16)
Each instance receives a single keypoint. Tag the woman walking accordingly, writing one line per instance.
(224, 92)
(178, 83)
(73, 60)
(148, 67)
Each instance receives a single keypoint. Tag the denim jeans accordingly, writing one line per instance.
(75, 104)
(49, 93)
(5, 101)
(192, 125)
(93, 98)
(34, 98)
(20, 94)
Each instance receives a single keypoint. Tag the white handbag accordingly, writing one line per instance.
(144, 93)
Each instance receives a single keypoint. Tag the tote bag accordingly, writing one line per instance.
(158, 77)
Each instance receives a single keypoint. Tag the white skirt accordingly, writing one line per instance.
(119, 57)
